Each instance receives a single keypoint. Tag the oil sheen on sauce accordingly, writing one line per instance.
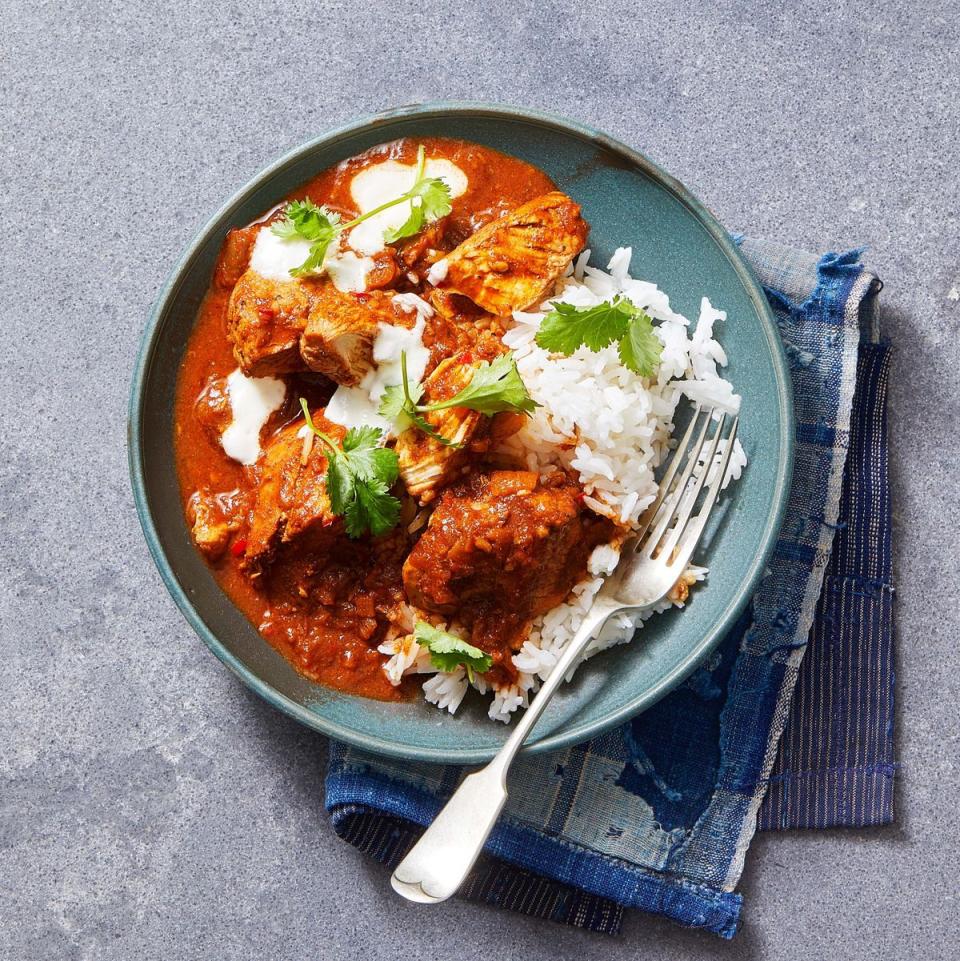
(335, 646)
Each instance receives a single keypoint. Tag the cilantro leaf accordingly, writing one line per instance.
(368, 460)
(393, 403)
(361, 439)
(448, 652)
(430, 430)
(314, 262)
(359, 476)
(303, 218)
(567, 328)
(412, 225)
(383, 465)
(373, 509)
(435, 196)
(284, 228)
(399, 404)
(339, 482)
(429, 201)
(640, 349)
(494, 387)
(429, 198)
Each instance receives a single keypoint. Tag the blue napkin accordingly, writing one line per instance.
(658, 814)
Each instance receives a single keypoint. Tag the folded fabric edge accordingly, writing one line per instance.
(806, 792)
(388, 838)
(856, 284)
(688, 903)
(853, 639)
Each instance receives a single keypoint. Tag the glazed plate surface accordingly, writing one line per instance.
(678, 245)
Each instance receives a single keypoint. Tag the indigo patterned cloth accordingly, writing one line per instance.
(658, 814)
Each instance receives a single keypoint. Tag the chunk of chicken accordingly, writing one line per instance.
(265, 319)
(292, 506)
(425, 463)
(501, 548)
(419, 252)
(341, 328)
(212, 408)
(459, 326)
(681, 590)
(513, 262)
(213, 520)
(235, 256)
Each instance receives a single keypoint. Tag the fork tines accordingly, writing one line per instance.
(671, 530)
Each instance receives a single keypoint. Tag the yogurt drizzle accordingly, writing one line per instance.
(350, 259)
(252, 401)
(358, 406)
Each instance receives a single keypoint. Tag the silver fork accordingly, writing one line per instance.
(651, 562)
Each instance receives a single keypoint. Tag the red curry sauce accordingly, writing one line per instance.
(329, 618)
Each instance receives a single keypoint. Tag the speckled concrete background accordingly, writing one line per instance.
(151, 806)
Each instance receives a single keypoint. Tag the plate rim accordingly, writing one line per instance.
(571, 733)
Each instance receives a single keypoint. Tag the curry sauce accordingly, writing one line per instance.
(326, 600)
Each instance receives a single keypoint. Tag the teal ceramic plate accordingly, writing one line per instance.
(677, 244)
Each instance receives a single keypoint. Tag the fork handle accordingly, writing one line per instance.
(440, 861)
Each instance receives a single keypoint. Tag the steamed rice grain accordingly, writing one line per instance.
(613, 429)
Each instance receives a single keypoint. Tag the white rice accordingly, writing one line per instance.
(610, 427)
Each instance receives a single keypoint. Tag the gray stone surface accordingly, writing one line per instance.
(151, 806)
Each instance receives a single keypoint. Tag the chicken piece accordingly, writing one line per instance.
(265, 319)
(385, 270)
(419, 252)
(459, 326)
(425, 463)
(213, 520)
(513, 262)
(681, 590)
(501, 548)
(212, 408)
(341, 328)
(235, 256)
(292, 506)
(454, 307)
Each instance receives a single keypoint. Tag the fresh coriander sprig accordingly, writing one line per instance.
(447, 651)
(429, 200)
(566, 328)
(320, 226)
(494, 388)
(399, 405)
(359, 476)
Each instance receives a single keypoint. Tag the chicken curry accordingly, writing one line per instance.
(342, 409)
